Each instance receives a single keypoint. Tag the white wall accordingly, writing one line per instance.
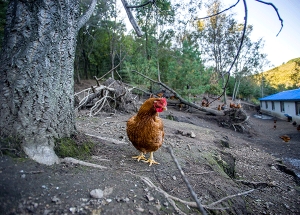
(289, 108)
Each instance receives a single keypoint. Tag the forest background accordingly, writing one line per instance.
(189, 54)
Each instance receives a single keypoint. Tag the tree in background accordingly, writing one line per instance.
(215, 40)
(100, 46)
(36, 74)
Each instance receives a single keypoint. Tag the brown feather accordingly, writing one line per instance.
(145, 129)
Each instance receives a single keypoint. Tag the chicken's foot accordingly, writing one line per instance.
(151, 160)
(140, 157)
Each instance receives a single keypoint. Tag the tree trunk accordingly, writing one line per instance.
(36, 74)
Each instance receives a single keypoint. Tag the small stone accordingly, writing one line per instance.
(126, 199)
(174, 177)
(72, 210)
(107, 191)
(56, 200)
(140, 209)
(192, 135)
(97, 193)
(149, 197)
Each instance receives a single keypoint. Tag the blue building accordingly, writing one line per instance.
(282, 105)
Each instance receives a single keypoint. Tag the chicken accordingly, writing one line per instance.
(285, 138)
(160, 95)
(145, 130)
(232, 105)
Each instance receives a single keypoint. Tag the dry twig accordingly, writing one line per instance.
(171, 198)
(83, 163)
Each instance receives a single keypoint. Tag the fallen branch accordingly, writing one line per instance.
(83, 163)
(33, 172)
(171, 198)
(194, 195)
(182, 100)
(108, 139)
(256, 185)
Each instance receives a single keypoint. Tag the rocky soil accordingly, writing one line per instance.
(251, 173)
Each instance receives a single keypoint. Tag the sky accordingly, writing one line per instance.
(286, 45)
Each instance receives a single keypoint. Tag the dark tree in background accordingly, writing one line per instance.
(36, 73)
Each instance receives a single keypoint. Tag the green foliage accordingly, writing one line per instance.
(214, 89)
(68, 147)
(186, 72)
(283, 77)
(176, 53)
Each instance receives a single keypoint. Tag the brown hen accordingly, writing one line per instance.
(145, 129)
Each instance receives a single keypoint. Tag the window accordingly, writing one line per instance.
(297, 108)
(266, 102)
(282, 106)
(273, 106)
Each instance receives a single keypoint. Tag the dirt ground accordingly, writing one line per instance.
(263, 165)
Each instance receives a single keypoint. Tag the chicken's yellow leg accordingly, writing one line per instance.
(151, 160)
(140, 157)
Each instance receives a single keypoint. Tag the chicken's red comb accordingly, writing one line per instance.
(164, 100)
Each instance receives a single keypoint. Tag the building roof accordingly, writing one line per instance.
(288, 95)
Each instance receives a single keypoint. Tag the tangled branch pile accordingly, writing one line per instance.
(111, 95)
(235, 117)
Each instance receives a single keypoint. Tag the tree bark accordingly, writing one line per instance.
(36, 74)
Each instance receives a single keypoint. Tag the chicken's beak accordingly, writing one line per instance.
(165, 108)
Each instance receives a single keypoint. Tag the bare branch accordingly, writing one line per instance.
(171, 198)
(194, 195)
(85, 17)
(108, 139)
(275, 8)
(230, 197)
(218, 12)
(182, 100)
(238, 52)
(132, 20)
(83, 163)
(142, 5)
(97, 79)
